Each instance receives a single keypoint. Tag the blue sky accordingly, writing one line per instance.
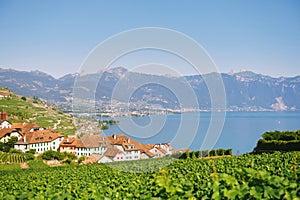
(56, 36)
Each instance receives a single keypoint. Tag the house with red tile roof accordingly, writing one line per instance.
(91, 144)
(130, 148)
(157, 151)
(69, 145)
(160, 150)
(7, 133)
(145, 154)
(134, 150)
(40, 140)
(113, 153)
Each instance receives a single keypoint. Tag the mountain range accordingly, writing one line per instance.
(244, 90)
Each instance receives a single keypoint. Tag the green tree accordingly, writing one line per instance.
(49, 155)
(11, 142)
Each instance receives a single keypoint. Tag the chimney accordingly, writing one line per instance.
(3, 115)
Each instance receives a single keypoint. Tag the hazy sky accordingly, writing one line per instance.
(56, 36)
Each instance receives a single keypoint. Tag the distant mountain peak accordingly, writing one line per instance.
(247, 74)
(244, 90)
(40, 73)
(68, 76)
(116, 70)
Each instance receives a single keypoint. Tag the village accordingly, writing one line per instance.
(97, 148)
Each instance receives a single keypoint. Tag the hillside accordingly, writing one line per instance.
(32, 110)
(244, 91)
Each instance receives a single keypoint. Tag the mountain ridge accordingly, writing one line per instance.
(244, 90)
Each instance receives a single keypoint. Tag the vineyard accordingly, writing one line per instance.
(265, 176)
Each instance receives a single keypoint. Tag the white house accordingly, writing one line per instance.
(114, 154)
(160, 150)
(5, 124)
(133, 150)
(167, 147)
(7, 133)
(40, 140)
(145, 154)
(157, 151)
(130, 149)
(104, 159)
(90, 144)
(69, 145)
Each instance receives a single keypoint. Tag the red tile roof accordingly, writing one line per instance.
(17, 125)
(126, 142)
(6, 131)
(28, 127)
(160, 149)
(91, 141)
(40, 136)
(120, 139)
(151, 155)
(112, 151)
(70, 142)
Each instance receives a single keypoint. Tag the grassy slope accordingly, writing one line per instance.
(35, 111)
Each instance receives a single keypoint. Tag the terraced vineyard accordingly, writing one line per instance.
(271, 176)
(32, 110)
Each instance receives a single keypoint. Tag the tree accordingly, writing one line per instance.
(23, 98)
(49, 155)
(11, 142)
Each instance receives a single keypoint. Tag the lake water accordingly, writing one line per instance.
(240, 132)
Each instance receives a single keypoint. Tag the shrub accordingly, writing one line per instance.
(81, 159)
(31, 151)
(69, 156)
(50, 155)
(68, 161)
